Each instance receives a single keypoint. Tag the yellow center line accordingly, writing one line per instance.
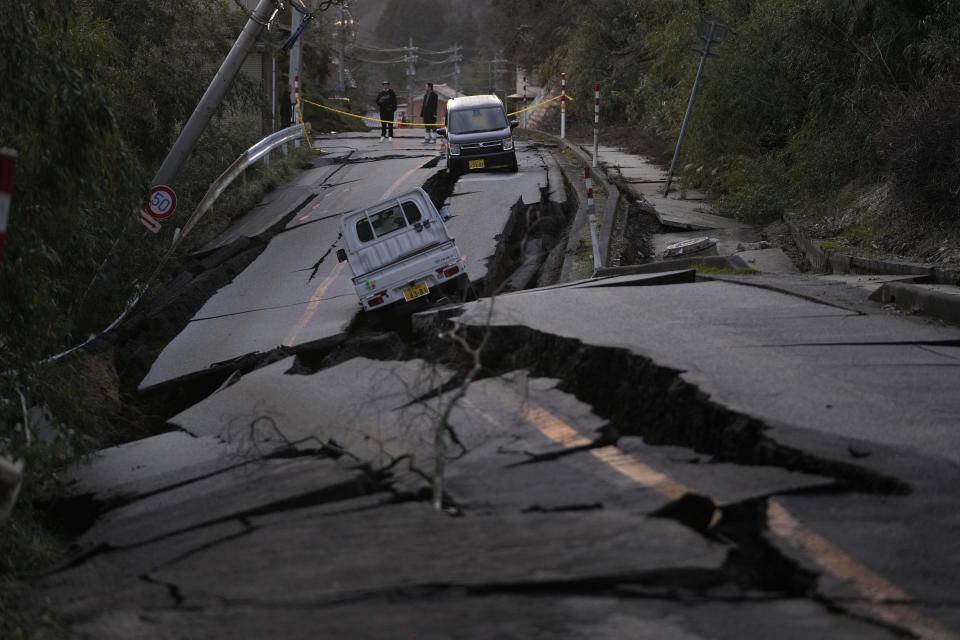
(564, 434)
(313, 306)
(781, 523)
(842, 566)
(396, 185)
(311, 309)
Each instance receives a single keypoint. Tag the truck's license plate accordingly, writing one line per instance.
(477, 164)
(416, 291)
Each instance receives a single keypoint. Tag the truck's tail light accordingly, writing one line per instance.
(375, 301)
(449, 272)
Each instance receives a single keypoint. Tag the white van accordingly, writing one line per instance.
(399, 250)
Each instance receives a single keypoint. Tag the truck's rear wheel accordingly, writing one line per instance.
(467, 291)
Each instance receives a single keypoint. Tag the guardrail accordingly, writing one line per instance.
(248, 158)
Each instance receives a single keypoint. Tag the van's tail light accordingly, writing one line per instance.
(375, 301)
(449, 272)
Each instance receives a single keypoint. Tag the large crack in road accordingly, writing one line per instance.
(632, 454)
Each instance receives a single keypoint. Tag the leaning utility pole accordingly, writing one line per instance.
(214, 95)
(712, 31)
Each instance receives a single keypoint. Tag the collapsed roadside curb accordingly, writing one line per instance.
(608, 217)
(919, 297)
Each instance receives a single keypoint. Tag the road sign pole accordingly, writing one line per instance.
(563, 106)
(596, 124)
(8, 166)
(709, 40)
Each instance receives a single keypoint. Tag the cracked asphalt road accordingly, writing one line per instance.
(640, 457)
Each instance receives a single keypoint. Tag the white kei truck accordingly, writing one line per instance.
(399, 250)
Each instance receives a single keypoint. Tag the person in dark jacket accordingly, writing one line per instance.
(387, 101)
(429, 114)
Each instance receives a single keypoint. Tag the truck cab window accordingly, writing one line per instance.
(412, 212)
(364, 231)
(380, 224)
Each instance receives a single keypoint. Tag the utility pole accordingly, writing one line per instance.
(457, 59)
(341, 79)
(498, 72)
(294, 71)
(410, 58)
(712, 31)
(213, 96)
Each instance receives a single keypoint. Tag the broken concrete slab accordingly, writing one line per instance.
(114, 580)
(690, 215)
(742, 345)
(120, 473)
(869, 283)
(369, 407)
(879, 565)
(727, 240)
(681, 276)
(633, 476)
(482, 203)
(772, 260)
(730, 263)
(233, 493)
(276, 205)
(723, 482)
(410, 546)
(539, 416)
(936, 300)
(461, 615)
(501, 476)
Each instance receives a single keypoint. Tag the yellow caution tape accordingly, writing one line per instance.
(353, 115)
(417, 124)
(539, 104)
(306, 132)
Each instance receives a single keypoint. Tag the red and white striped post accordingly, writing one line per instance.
(592, 217)
(8, 166)
(563, 106)
(596, 123)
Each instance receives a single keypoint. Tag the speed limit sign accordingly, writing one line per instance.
(161, 202)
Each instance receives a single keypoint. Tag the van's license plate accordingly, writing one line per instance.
(477, 164)
(416, 291)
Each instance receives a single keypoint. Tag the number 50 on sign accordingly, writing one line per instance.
(161, 202)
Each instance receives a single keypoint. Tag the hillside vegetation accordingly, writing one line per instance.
(846, 109)
(94, 93)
